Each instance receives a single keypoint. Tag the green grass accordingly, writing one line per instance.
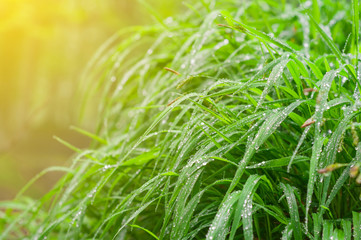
(218, 151)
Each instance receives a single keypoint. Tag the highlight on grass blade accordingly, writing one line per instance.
(172, 71)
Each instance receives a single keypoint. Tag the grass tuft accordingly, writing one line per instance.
(231, 121)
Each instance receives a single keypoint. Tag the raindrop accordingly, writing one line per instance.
(168, 20)
(106, 167)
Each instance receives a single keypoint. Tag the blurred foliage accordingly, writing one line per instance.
(44, 47)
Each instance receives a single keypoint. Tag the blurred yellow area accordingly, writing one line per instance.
(44, 47)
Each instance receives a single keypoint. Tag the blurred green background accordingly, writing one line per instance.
(44, 48)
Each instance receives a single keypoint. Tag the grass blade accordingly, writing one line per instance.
(356, 220)
(293, 210)
(146, 230)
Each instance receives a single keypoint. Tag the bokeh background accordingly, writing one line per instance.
(44, 48)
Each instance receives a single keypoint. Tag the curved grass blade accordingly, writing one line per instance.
(343, 177)
(272, 79)
(330, 43)
(222, 222)
(39, 175)
(260, 35)
(144, 229)
(267, 128)
(244, 208)
(330, 152)
(299, 144)
(325, 86)
(281, 162)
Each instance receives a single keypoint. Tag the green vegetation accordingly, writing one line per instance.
(44, 48)
(241, 120)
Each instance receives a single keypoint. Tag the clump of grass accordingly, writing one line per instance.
(239, 122)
